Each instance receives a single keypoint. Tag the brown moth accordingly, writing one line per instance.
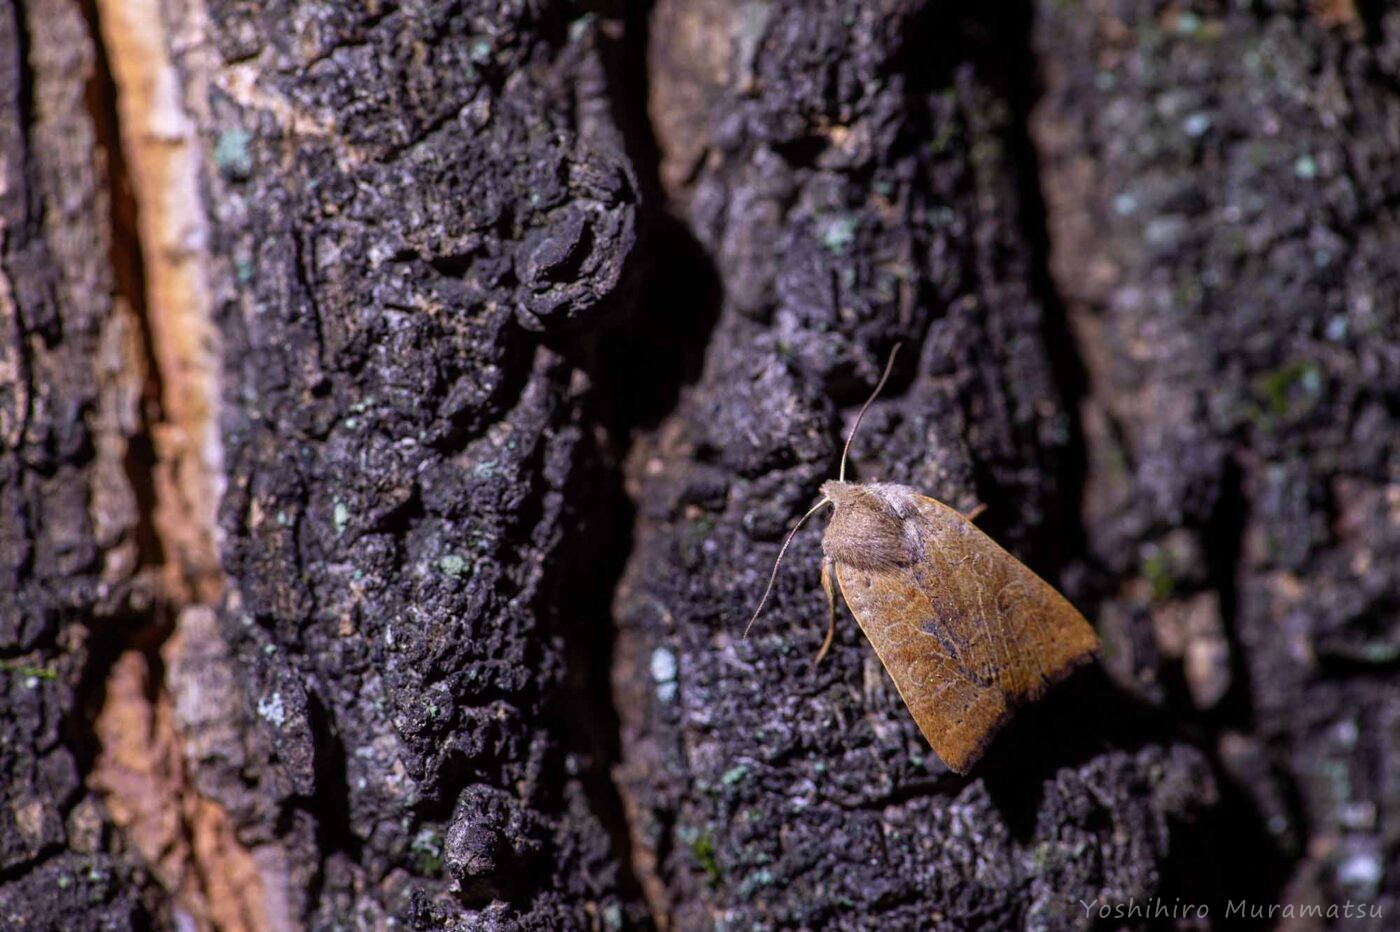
(966, 631)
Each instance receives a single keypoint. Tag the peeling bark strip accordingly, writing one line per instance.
(69, 520)
(158, 143)
(187, 841)
(851, 169)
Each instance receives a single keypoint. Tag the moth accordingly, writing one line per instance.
(966, 631)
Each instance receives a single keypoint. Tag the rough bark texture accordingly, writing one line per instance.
(366, 369)
(1225, 204)
(856, 173)
(70, 518)
(414, 208)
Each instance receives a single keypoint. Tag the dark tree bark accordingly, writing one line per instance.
(876, 191)
(1225, 203)
(69, 519)
(402, 405)
(410, 206)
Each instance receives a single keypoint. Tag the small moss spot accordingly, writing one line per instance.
(1305, 167)
(341, 516)
(29, 671)
(231, 155)
(427, 852)
(1159, 575)
(452, 565)
(1188, 24)
(1380, 652)
(734, 775)
(943, 136)
(692, 541)
(1280, 388)
(703, 849)
(756, 880)
(840, 233)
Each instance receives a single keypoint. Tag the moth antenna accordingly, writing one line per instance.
(889, 367)
(779, 562)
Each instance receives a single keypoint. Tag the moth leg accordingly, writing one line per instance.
(977, 510)
(830, 590)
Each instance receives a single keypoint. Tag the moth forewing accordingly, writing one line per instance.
(965, 629)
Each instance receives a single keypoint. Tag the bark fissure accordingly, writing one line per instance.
(132, 736)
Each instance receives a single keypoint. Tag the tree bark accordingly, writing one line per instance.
(878, 190)
(1223, 203)
(402, 407)
(71, 523)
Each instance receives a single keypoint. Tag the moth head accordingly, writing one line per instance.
(838, 492)
(867, 531)
(834, 492)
